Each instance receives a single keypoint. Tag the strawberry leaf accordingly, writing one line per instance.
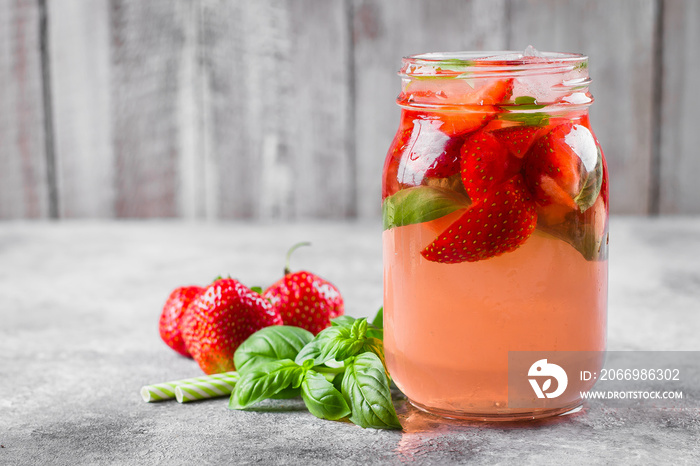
(420, 204)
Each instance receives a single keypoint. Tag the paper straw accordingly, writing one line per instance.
(212, 388)
(166, 390)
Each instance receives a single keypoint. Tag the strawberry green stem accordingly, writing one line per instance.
(287, 270)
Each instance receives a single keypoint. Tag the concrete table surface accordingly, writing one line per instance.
(79, 312)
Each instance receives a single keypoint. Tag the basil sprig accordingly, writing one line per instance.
(339, 374)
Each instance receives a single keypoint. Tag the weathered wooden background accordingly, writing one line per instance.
(285, 109)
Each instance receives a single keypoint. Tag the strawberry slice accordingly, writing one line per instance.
(503, 221)
(518, 139)
(457, 123)
(459, 120)
(446, 163)
(420, 151)
(485, 163)
(565, 168)
(390, 184)
(495, 93)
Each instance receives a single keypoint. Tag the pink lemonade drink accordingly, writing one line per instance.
(495, 211)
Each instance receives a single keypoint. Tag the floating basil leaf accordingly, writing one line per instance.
(524, 102)
(420, 204)
(526, 119)
(591, 188)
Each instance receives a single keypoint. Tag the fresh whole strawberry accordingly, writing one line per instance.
(305, 300)
(222, 317)
(500, 223)
(171, 316)
(485, 163)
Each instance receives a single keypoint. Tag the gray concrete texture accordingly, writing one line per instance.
(79, 337)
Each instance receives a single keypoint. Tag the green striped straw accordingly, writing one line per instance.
(206, 389)
(166, 390)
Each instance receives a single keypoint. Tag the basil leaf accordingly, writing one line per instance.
(366, 389)
(359, 329)
(338, 381)
(378, 320)
(591, 188)
(321, 397)
(377, 333)
(524, 102)
(264, 381)
(457, 64)
(420, 204)
(287, 393)
(582, 233)
(270, 344)
(376, 346)
(312, 351)
(376, 329)
(343, 321)
(339, 345)
(527, 119)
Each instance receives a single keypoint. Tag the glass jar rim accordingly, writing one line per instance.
(488, 63)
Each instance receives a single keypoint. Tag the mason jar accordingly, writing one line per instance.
(495, 241)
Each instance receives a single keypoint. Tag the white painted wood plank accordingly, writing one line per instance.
(147, 43)
(383, 33)
(79, 39)
(680, 138)
(277, 108)
(23, 175)
(192, 159)
(618, 38)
